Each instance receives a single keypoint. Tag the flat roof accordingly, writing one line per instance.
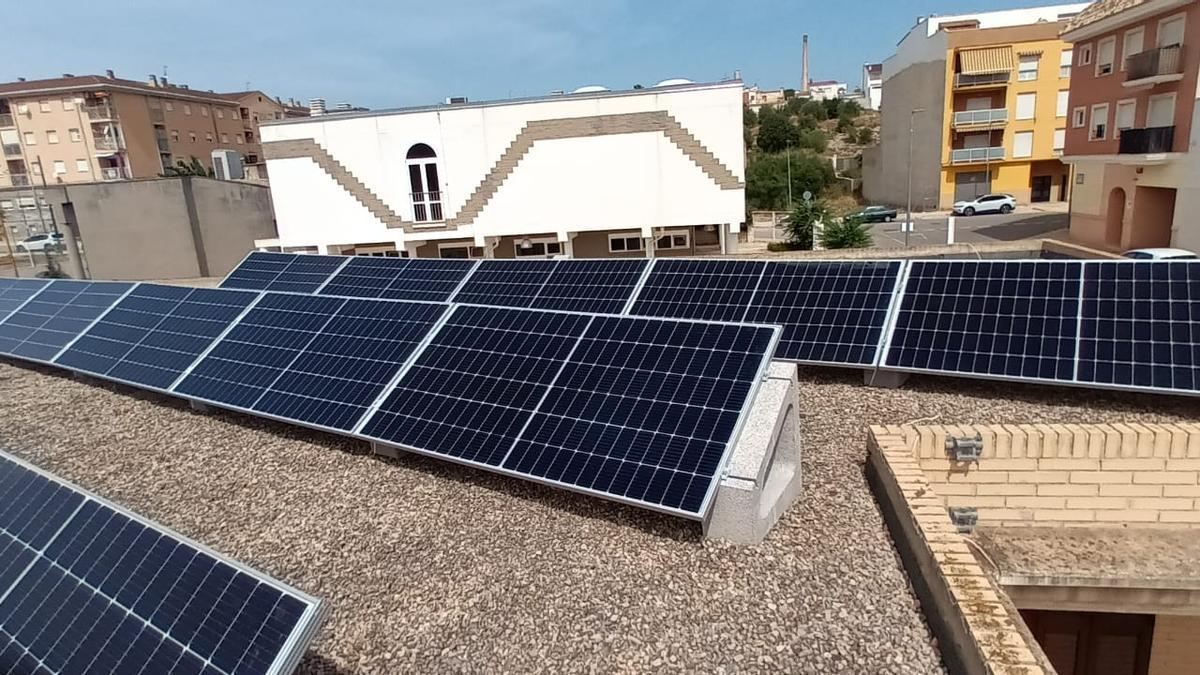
(333, 115)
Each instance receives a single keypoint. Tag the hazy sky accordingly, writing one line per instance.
(387, 54)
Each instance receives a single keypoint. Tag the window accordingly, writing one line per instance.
(459, 251)
(425, 188)
(35, 168)
(1126, 110)
(60, 167)
(204, 111)
(83, 166)
(23, 108)
(1099, 128)
(619, 243)
(76, 137)
(1085, 55)
(1023, 144)
(1132, 44)
(192, 136)
(237, 139)
(168, 106)
(1104, 55)
(187, 109)
(1160, 112)
(1170, 32)
(1079, 117)
(1060, 109)
(1027, 68)
(675, 239)
(175, 135)
(537, 248)
(30, 138)
(1060, 139)
(68, 103)
(1026, 103)
(1064, 63)
(224, 137)
(52, 137)
(220, 113)
(208, 136)
(44, 106)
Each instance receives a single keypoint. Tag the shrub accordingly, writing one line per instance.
(800, 223)
(813, 139)
(766, 178)
(846, 233)
(865, 136)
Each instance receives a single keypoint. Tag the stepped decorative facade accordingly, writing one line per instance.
(645, 172)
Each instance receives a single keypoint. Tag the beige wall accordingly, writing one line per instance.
(198, 123)
(1175, 648)
(230, 216)
(921, 85)
(60, 121)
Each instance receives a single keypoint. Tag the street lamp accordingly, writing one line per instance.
(908, 210)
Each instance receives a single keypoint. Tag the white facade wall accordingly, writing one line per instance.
(635, 180)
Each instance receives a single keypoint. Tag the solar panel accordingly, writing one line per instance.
(55, 316)
(154, 333)
(831, 312)
(1015, 319)
(601, 286)
(14, 293)
(646, 410)
(428, 279)
(1140, 325)
(284, 272)
(506, 283)
(315, 360)
(86, 586)
(715, 290)
(471, 390)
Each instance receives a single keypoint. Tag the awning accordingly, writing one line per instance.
(985, 61)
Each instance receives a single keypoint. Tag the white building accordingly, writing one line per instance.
(826, 89)
(657, 171)
(872, 85)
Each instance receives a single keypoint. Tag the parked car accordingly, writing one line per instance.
(994, 203)
(1159, 254)
(39, 242)
(874, 214)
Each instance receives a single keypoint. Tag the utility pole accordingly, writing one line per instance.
(908, 224)
(789, 165)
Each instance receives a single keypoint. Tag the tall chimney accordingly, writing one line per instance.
(804, 67)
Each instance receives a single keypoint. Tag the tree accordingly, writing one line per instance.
(815, 110)
(801, 221)
(850, 108)
(749, 117)
(845, 124)
(766, 179)
(805, 122)
(846, 233)
(181, 168)
(794, 105)
(831, 106)
(866, 136)
(775, 132)
(813, 139)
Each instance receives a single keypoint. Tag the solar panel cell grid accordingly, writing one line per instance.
(154, 333)
(1141, 325)
(283, 272)
(713, 290)
(55, 316)
(14, 293)
(399, 278)
(1008, 319)
(506, 283)
(601, 286)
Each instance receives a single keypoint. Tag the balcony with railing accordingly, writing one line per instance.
(1153, 66)
(157, 116)
(108, 144)
(163, 144)
(427, 206)
(991, 117)
(6, 120)
(965, 81)
(977, 155)
(1148, 141)
(19, 179)
(101, 111)
(12, 149)
(114, 173)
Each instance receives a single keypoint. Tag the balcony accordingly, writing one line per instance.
(101, 111)
(964, 81)
(6, 120)
(12, 149)
(1149, 141)
(977, 155)
(1154, 66)
(113, 173)
(992, 117)
(157, 116)
(108, 144)
(19, 179)
(163, 144)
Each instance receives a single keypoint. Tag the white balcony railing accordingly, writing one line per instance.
(114, 173)
(975, 155)
(969, 118)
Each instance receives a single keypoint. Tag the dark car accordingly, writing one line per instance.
(874, 214)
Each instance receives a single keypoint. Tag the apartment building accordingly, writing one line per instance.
(975, 103)
(101, 128)
(872, 85)
(595, 173)
(1132, 107)
(253, 107)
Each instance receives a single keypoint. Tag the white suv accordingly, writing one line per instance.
(40, 242)
(997, 203)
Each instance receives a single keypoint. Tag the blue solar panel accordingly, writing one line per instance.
(506, 283)
(600, 286)
(1015, 319)
(1141, 325)
(284, 272)
(645, 410)
(715, 290)
(55, 316)
(472, 389)
(154, 333)
(831, 312)
(14, 293)
(316, 360)
(88, 587)
(432, 280)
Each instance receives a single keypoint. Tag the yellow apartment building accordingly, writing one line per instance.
(972, 104)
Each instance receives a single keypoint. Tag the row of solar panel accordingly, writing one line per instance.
(1105, 323)
(638, 409)
(86, 587)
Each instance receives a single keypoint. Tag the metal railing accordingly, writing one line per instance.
(113, 173)
(1148, 140)
(163, 144)
(107, 143)
(966, 118)
(100, 112)
(19, 179)
(6, 120)
(973, 155)
(12, 149)
(1154, 62)
(965, 80)
(427, 206)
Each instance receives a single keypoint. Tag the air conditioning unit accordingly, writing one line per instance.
(227, 165)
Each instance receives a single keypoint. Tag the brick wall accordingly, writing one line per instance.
(1176, 645)
(1136, 475)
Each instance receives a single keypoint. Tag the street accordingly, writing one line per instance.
(930, 230)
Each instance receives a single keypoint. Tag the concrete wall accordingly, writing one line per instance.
(170, 228)
(920, 85)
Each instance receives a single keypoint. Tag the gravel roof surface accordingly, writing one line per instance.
(433, 567)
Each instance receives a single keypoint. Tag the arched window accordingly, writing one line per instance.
(424, 184)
